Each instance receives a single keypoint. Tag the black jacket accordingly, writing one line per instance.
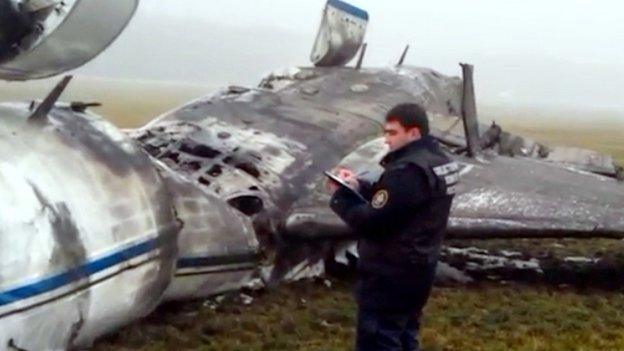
(404, 223)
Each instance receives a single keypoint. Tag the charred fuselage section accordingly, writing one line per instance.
(263, 150)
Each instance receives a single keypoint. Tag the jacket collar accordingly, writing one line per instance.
(424, 142)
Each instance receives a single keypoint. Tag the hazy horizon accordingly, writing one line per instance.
(559, 53)
(154, 97)
(554, 56)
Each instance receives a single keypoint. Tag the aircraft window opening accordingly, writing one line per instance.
(223, 135)
(215, 171)
(174, 156)
(247, 204)
(191, 166)
(200, 150)
(248, 168)
(204, 181)
(152, 150)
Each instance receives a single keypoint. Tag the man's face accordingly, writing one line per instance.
(397, 136)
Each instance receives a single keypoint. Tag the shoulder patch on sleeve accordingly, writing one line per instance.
(380, 199)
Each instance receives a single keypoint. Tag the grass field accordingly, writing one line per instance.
(310, 316)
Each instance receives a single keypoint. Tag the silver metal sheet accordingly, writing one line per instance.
(87, 230)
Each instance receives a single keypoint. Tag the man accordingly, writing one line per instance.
(400, 230)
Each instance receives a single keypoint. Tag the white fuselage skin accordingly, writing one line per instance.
(87, 230)
(217, 244)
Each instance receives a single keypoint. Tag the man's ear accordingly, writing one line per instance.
(415, 133)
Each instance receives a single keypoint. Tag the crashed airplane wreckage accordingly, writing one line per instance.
(98, 228)
(263, 150)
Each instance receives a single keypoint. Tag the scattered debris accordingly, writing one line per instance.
(446, 274)
(579, 259)
(255, 285)
(305, 270)
(246, 299)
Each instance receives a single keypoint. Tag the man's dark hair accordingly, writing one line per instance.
(410, 116)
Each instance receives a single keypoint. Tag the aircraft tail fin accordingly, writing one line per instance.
(341, 34)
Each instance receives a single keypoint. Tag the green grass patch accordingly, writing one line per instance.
(309, 316)
(521, 318)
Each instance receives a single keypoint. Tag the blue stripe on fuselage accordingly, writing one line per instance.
(54, 282)
(348, 8)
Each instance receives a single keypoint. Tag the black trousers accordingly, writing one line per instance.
(389, 309)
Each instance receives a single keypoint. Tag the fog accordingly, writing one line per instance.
(526, 53)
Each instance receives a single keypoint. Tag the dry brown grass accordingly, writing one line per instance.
(128, 104)
(600, 131)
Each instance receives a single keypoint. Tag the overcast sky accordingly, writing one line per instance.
(560, 53)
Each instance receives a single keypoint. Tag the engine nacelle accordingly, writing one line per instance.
(42, 38)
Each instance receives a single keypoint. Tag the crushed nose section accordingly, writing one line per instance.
(218, 249)
(42, 38)
(340, 35)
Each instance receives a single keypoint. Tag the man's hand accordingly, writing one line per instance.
(345, 174)
(349, 177)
